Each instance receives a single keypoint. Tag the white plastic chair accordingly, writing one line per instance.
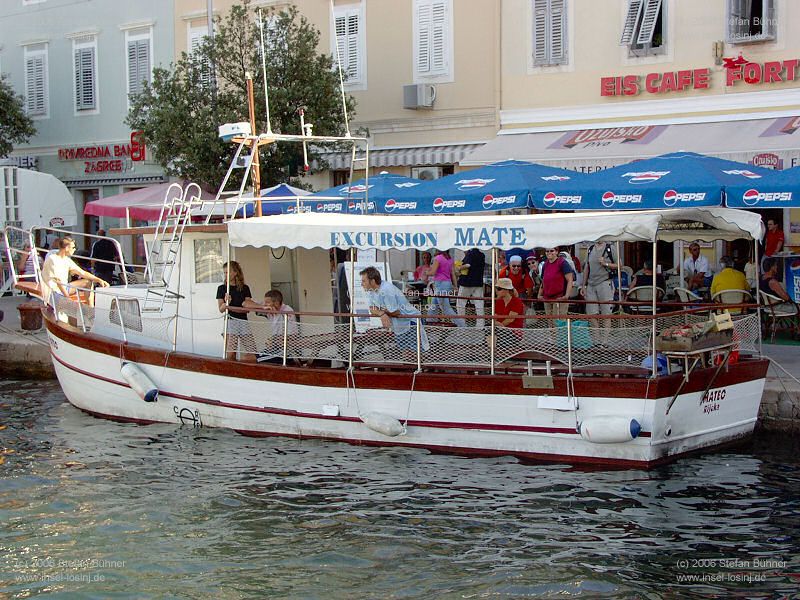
(687, 295)
(643, 293)
(780, 312)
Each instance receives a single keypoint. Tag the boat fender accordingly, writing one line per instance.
(139, 382)
(382, 423)
(609, 429)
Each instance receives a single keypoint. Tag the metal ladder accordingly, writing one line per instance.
(243, 158)
(163, 251)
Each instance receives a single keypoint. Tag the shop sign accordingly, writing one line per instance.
(738, 71)
(767, 160)
(23, 162)
(108, 158)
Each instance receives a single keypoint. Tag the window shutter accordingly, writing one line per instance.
(439, 37)
(768, 19)
(557, 37)
(540, 32)
(631, 20)
(143, 60)
(196, 38)
(85, 79)
(649, 22)
(36, 85)
(739, 19)
(353, 59)
(138, 64)
(133, 69)
(424, 29)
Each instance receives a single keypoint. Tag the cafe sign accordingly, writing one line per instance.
(108, 158)
(738, 72)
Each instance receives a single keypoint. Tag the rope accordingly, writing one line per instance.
(349, 374)
(24, 336)
(410, 398)
(775, 363)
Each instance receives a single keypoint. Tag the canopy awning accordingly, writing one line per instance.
(764, 142)
(314, 230)
(409, 156)
(144, 204)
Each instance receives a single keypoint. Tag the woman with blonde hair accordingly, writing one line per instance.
(235, 294)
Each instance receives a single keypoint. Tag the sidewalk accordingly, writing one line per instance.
(23, 355)
(27, 355)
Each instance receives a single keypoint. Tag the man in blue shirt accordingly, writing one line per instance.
(390, 304)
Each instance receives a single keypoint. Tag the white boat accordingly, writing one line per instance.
(559, 390)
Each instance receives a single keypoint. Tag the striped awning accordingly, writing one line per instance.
(410, 156)
(121, 180)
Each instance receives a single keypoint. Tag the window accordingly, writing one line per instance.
(350, 41)
(549, 32)
(197, 36)
(37, 100)
(208, 261)
(84, 51)
(644, 30)
(127, 313)
(433, 26)
(751, 21)
(138, 51)
(11, 198)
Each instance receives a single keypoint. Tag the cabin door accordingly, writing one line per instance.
(200, 329)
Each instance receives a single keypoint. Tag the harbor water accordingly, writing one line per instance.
(93, 508)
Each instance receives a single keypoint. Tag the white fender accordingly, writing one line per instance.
(139, 382)
(382, 423)
(609, 429)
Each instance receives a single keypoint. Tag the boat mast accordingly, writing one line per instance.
(255, 167)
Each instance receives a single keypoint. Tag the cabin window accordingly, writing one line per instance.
(208, 261)
(126, 313)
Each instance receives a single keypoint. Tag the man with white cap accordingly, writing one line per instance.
(522, 282)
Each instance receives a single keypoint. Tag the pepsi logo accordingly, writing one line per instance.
(360, 206)
(645, 176)
(671, 197)
(608, 199)
(390, 205)
(550, 199)
(743, 173)
(354, 189)
(470, 184)
(439, 204)
(752, 197)
(490, 201)
(329, 207)
(555, 178)
(406, 184)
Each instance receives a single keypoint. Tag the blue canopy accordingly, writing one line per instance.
(777, 189)
(281, 198)
(675, 180)
(379, 190)
(499, 186)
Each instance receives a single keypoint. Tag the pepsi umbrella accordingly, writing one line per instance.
(499, 186)
(279, 199)
(675, 180)
(363, 196)
(776, 189)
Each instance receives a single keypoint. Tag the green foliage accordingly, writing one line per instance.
(179, 112)
(15, 126)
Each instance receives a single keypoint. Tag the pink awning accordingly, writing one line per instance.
(143, 204)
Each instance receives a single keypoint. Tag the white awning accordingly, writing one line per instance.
(411, 156)
(318, 230)
(773, 143)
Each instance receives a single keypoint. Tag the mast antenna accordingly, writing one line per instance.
(341, 76)
(264, 69)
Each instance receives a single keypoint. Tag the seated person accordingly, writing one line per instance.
(508, 305)
(769, 282)
(274, 309)
(729, 278)
(695, 268)
(644, 278)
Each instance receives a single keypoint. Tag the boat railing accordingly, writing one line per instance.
(573, 343)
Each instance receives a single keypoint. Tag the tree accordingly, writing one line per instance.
(15, 126)
(179, 112)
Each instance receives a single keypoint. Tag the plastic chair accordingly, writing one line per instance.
(687, 295)
(733, 297)
(780, 312)
(643, 293)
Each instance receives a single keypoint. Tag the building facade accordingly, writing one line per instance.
(77, 64)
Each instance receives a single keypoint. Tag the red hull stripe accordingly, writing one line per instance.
(294, 413)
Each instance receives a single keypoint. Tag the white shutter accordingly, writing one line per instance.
(631, 20)
(439, 37)
(649, 19)
(196, 38)
(143, 60)
(138, 64)
(424, 29)
(353, 66)
(540, 32)
(85, 87)
(557, 35)
(348, 42)
(36, 83)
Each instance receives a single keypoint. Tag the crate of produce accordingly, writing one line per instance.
(687, 338)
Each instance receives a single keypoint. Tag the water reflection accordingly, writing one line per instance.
(207, 513)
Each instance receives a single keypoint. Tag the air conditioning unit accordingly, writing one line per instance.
(419, 95)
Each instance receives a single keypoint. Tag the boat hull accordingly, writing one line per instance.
(465, 413)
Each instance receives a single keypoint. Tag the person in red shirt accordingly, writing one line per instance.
(774, 240)
(508, 305)
(523, 284)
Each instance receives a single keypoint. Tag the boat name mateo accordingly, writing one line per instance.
(710, 401)
(480, 237)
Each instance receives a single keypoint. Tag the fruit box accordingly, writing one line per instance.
(690, 343)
